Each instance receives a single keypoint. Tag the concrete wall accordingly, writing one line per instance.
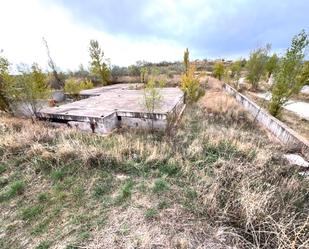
(279, 129)
(101, 125)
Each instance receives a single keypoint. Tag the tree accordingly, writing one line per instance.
(271, 65)
(256, 66)
(98, 65)
(144, 73)
(152, 98)
(5, 80)
(236, 69)
(31, 87)
(291, 75)
(191, 86)
(218, 70)
(186, 61)
(52, 65)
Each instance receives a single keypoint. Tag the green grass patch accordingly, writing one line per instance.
(2, 168)
(30, 213)
(14, 189)
(160, 185)
(151, 213)
(43, 197)
(57, 175)
(45, 244)
(125, 191)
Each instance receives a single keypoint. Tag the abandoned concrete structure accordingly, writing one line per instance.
(106, 108)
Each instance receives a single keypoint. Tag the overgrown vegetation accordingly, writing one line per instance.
(218, 180)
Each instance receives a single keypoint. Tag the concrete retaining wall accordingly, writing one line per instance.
(279, 129)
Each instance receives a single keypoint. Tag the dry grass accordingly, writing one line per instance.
(218, 182)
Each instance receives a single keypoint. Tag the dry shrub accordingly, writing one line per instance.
(221, 107)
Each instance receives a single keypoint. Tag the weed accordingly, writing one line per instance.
(57, 175)
(169, 169)
(2, 168)
(15, 188)
(125, 191)
(163, 204)
(43, 197)
(160, 185)
(43, 245)
(30, 213)
(78, 192)
(151, 213)
(103, 188)
(40, 228)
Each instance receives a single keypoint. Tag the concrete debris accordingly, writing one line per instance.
(294, 159)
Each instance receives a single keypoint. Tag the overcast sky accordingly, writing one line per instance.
(156, 30)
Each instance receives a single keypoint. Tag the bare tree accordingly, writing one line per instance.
(52, 65)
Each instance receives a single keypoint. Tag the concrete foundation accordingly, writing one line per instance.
(106, 108)
(275, 126)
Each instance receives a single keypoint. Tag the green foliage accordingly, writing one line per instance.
(31, 87)
(256, 65)
(271, 64)
(43, 197)
(57, 174)
(125, 191)
(186, 61)
(191, 86)
(30, 213)
(151, 213)
(98, 65)
(152, 97)
(292, 74)
(5, 80)
(218, 70)
(73, 87)
(16, 188)
(2, 168)
(45, 244)
(160, 185)
(233, 73)
(144, 73)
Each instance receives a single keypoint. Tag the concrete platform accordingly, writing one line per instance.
(113, 106)
(100, 90)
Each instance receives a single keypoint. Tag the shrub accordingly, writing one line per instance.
(73, 87)
(218, 70)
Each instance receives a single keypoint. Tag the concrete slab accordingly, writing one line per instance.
(100, 90)
(120, 103)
